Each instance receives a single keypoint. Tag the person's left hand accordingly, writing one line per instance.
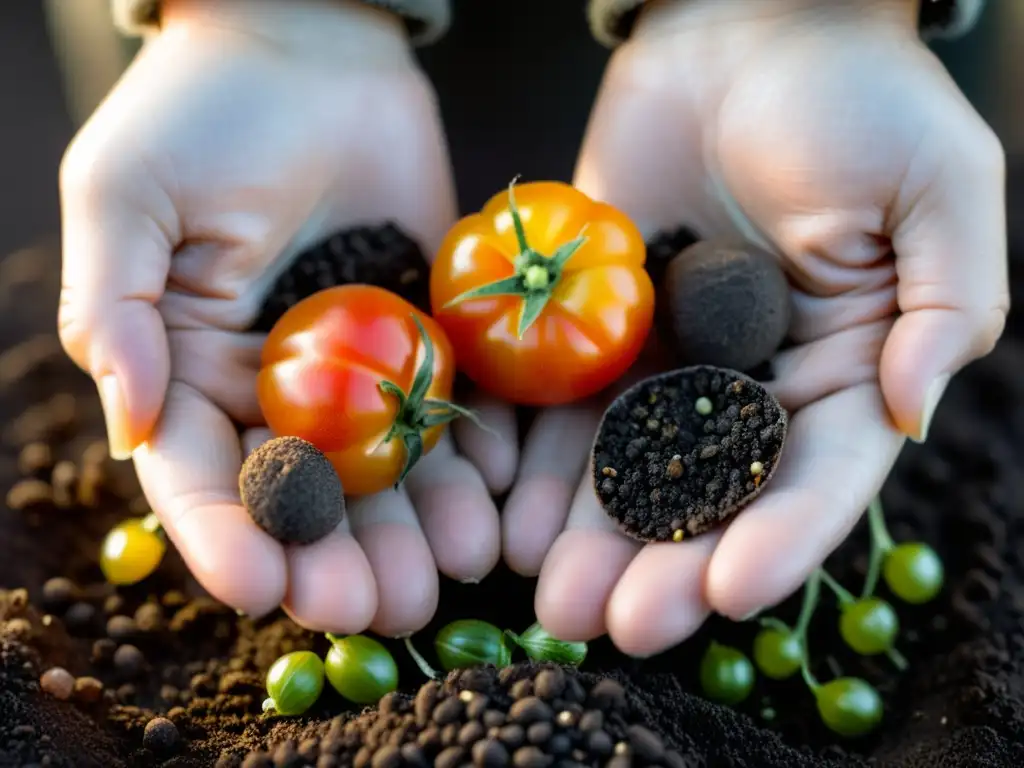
(827, 132)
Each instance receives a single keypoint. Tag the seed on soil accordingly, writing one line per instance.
(59, 591)
(29, 494)
(79, 615)
(35, 458)
(88, 690)
(121, 628)
(160, 735)
(292, 491)
(58, 682)
(129, 661)
(724, 303)
(695, 470)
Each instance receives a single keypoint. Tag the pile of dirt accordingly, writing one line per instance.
(164, 676)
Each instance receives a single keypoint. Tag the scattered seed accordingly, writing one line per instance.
(160, 735)
(756, 468)
(58, 682)
(703, 406)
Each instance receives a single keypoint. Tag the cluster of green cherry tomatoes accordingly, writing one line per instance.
(362, 670)
(869, 625)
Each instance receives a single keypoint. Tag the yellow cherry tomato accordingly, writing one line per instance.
(132, 551)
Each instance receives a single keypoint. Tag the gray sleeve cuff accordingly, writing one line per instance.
(612, 20)
(427, 20)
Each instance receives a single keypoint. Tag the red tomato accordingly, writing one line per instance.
(346, 370)
(544, 316)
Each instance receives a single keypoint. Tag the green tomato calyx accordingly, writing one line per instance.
(541, 646)
(416, 412)
(471, 643)
(536, 275)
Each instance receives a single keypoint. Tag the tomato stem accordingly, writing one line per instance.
(845, 596)
(881, 545)
(421, 662)
(416, 412)
(536, 275)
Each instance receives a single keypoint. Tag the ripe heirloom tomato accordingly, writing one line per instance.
(543, 294)
(365, 377)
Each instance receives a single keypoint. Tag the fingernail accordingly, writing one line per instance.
(116, 417)
(932, 396)
(469, 580)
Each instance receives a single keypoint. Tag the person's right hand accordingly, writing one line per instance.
(242, 133)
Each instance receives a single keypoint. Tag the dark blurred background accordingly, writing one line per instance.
(504, 111)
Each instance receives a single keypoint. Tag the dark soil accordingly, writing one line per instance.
(292, 491)
(724, 303)
(664, 467)
(378, 255)
(960, 704)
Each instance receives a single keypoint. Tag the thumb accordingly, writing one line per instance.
(952, 289)
(116, 256)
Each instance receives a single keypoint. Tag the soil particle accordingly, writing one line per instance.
(682, 452)
(292, 491)
(724, 303)
(381, 255)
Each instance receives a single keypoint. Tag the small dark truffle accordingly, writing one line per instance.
(724, 303)
(292, 491)
(683, 451)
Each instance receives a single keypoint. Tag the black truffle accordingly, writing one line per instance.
(292, 491)
(382, 255)
(683, 451)
(724, 303)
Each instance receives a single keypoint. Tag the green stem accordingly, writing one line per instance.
(416, 412)
(152, 524)
(881, 545)
(535, 275)
(421, 662)
(333, 638)
(898, 659)
(845, 596)
(812, 594)
(809, 679)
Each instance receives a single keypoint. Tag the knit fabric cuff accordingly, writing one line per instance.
(427, 20)
(612, 20)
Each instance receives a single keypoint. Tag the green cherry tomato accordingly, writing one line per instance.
(541, 646)
(914, 572)
(726, 674)
(849, 706)
(294, 683)
(869, 626)
(361, 669)
(777, 654)
(471, 643)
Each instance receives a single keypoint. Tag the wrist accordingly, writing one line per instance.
(328, 30)
(660, 17)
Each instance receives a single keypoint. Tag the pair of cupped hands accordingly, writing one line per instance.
(826, 131)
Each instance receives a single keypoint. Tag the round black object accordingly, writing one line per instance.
(681, 452)
(292, 491)
(724, 303)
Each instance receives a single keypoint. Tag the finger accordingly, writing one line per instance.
(386, 528)
(331, 584)
(456, 512)
(189, 472)
(555, 456)
(838, 453)
(808, 373)
(659, 601)
(493, 448)
(950, 244)
(116, 256)
(253, 439)
(815, 317)
(581, 570)
(221, 365)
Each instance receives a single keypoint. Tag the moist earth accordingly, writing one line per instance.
(201, 667)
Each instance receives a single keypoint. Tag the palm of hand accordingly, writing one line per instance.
(238, 161)
(824, 149)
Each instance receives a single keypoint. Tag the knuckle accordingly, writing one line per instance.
(989, 327)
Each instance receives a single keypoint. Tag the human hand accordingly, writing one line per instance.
(830, 134)
(240, 135)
